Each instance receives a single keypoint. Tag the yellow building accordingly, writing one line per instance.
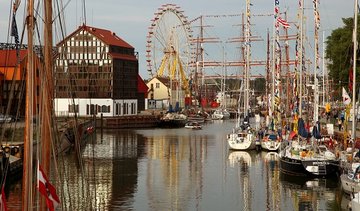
(160, 94)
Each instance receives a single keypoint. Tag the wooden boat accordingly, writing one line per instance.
(173, 120)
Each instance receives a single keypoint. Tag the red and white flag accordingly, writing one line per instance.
(3, 206)
(47, 190)
(345, 96)
(283, 22)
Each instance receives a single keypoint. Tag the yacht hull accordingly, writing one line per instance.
(238, 142)
(313, 167)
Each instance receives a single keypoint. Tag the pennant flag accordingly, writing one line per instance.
(15, 34)
(346, 97)
(3, 206)
(47, 190)
(14, 31)
(283, 22)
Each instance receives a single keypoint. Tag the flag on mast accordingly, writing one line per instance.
(47, 190)
(3, 206)
(283, 22)
(346, 97)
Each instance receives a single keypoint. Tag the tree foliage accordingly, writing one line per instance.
(339, 52)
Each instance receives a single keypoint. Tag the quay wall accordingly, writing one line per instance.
(137, 121)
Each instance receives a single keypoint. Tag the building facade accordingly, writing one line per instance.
(96, 72)
(13, 69)
(161, 96)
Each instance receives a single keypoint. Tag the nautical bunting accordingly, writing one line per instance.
(277, 68)
(47, 190)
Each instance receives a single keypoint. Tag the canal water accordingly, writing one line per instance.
(182, 169)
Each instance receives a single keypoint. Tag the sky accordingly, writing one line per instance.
(130, 21)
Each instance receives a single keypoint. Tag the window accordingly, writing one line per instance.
(104, 109)
(125, 108)
(117, 109)
(133, 108)
(91, 109)
(157, 85)
(73, 108)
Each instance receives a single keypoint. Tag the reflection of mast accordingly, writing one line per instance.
(246, 182)
(168, 163)
(271, 172)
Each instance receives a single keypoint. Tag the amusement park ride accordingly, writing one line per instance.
(168, 48)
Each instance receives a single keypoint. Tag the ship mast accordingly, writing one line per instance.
(317, 66)
(247, 62)
(46, 137)
(27, 198)
(301, 4)
(353, 126)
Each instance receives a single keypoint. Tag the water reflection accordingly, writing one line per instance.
(311, 194)
(181, 169)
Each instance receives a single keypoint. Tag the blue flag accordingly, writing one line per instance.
(15, 34)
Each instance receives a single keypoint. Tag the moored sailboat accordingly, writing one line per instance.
(243, 137)
(350, 179)
(271, 141)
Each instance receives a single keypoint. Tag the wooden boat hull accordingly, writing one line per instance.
(172, 123)
(15, 167)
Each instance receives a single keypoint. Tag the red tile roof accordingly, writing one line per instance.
(8, 57)
(164, 80)
(142, 87)
(123, 56)
(108, 37)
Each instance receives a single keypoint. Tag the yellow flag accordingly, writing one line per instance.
(327, 107)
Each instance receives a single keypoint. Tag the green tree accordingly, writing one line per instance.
(339, 52)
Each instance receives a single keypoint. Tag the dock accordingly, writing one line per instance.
(137, 121)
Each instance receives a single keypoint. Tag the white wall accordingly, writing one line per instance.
(62, 107)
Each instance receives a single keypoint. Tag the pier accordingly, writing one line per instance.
(138, 121)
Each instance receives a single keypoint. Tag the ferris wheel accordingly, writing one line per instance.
(168, 45)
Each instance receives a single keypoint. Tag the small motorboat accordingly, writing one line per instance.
(193, 125)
